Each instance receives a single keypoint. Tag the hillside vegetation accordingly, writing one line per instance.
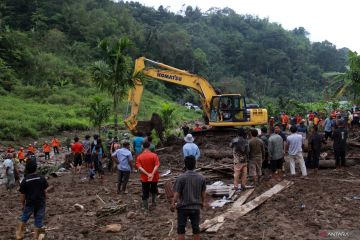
(47, 48)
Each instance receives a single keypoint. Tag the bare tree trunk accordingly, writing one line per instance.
(115, 115)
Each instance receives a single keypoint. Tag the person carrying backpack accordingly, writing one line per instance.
(241, 151)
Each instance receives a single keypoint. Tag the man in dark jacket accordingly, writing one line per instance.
(340, 137)
(315, 143)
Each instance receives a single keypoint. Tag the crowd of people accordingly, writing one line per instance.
(254, 154)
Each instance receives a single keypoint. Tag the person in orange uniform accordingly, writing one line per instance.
(55, 144)
(31, 150)
(46, 149)
(77, 150)
(148, 163)
(284, 121)
(197, 127)
(21, 155)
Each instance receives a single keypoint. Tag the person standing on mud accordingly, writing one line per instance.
(31, 150)
(265, 138)
(124, 160)
(328, 127)
(21, 155)
(46, 149)
(97, 155)
(294, 144)
(148, 164)
(77, 150)
(55, 144)
(276, 152)
(340, 137)
(9, 172)
(33, 195)
(240, 147)
(189, 198)
(190, 148)
(256, 155)
(315, 144)
(87, 150)
(137, 143)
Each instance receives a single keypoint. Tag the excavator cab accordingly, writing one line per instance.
(228, 108)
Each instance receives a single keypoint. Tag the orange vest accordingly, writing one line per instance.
(21, 155)
(55, 142)
(31, 149)
(46, 148)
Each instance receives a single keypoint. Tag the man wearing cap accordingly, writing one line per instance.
(340, 137)
(33, 195)
(190, 148)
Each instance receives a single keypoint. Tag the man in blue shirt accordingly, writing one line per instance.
(328, 125)
(124, 159)
(137, 143)
(190, 148)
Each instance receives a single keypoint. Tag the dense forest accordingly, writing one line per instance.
(45, 45)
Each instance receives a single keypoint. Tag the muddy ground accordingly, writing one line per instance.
(327, 198)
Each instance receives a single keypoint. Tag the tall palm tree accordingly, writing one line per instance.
(113, 74)
(349, 81)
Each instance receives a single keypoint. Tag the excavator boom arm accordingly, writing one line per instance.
(169, 74)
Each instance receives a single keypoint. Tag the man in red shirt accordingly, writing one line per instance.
(148, 163)
(77, 150)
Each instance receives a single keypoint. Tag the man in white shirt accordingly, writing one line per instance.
(294, 144)
(9, 170)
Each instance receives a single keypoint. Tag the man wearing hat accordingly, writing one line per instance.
(33, 195)
(190, 148)
(340, 137)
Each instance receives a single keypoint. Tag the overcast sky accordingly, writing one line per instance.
(334, 20)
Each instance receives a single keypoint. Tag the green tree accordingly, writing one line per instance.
(98, 112)
(167, 112)
(113, 74)
(349, 81)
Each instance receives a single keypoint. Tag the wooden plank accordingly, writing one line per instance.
(219, 219)
(214, 228)
(235, 214)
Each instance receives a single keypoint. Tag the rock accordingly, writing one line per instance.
(113, 228)
(130, 215)
(79, 207)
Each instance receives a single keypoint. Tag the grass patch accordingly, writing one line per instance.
(36, 115)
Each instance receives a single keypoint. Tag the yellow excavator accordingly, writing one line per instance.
(220, 110)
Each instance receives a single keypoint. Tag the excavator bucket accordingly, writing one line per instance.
(147, 126)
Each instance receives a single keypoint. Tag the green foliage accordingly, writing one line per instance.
(167, 112)
(28, 118)
(114, 74)
(98, 112)
(46, 48)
